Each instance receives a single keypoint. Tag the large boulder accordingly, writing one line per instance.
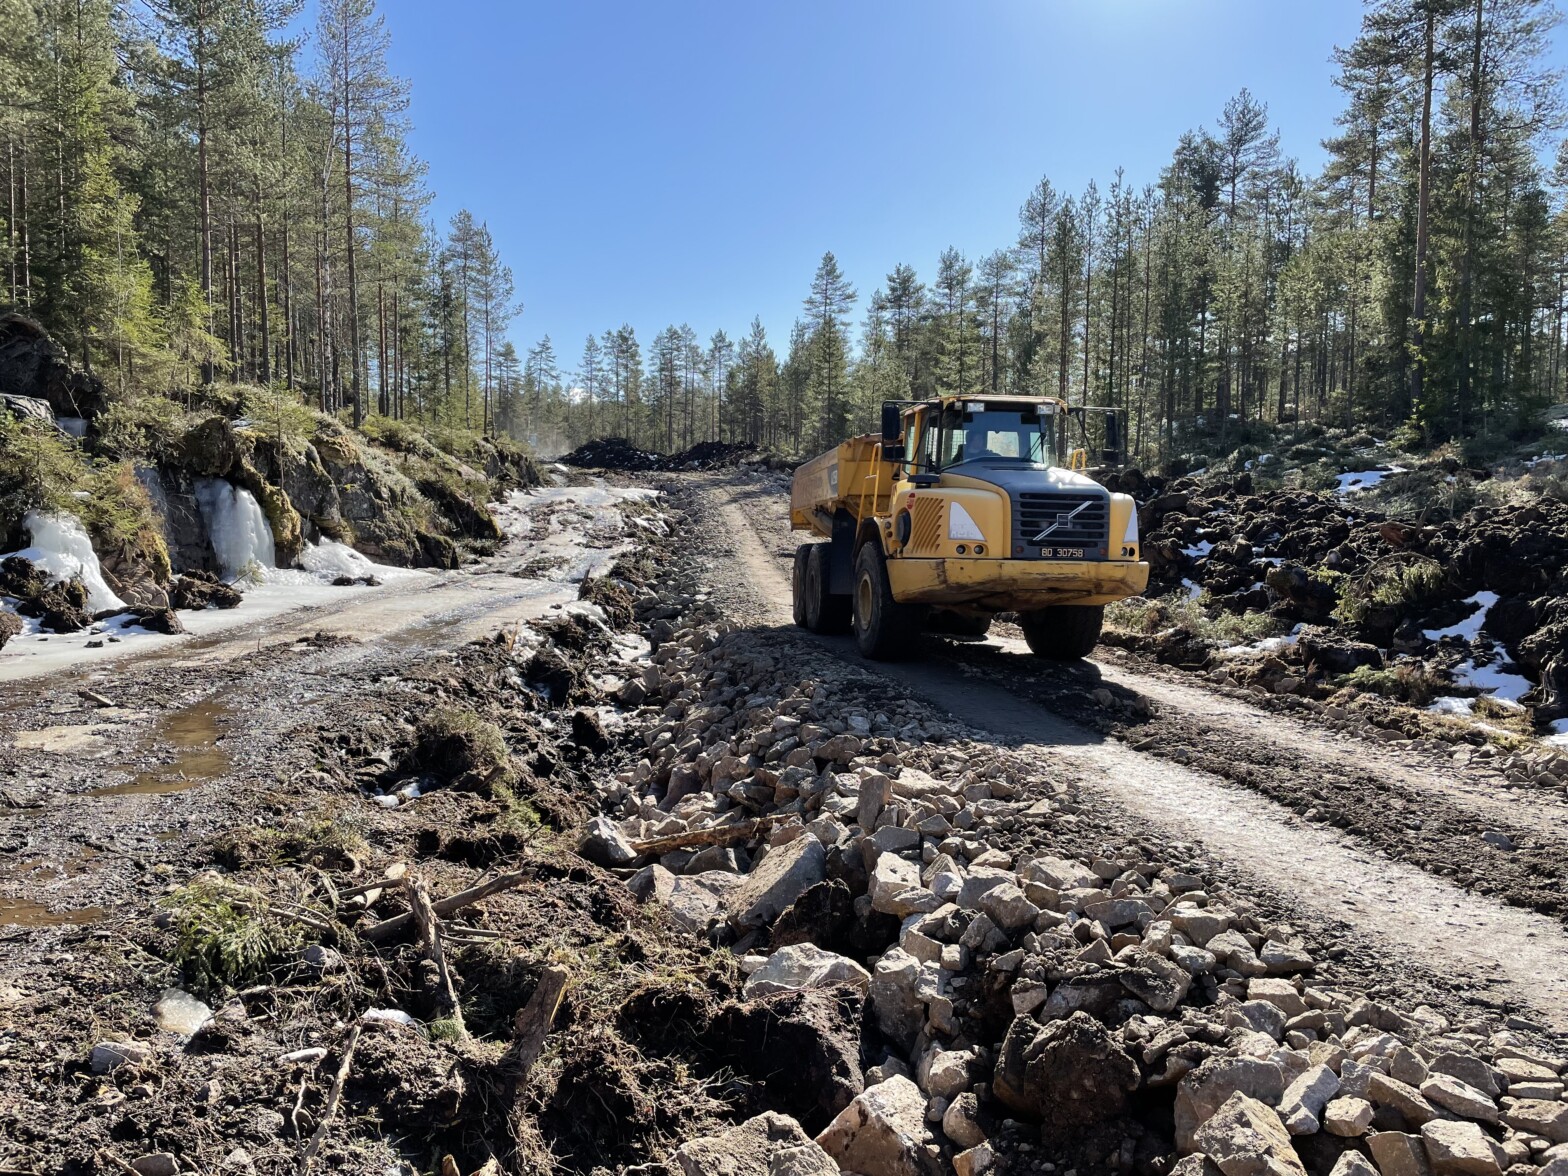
(1246, 1138)
(33, 364)
(883, 1133)
(783, 876)
(1203, 1091)
(1067, 1074)
(769, 1145)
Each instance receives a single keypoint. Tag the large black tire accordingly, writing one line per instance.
(798, 585)
(957, 624)
(815, 607)
(1063, 633)
(884, 629)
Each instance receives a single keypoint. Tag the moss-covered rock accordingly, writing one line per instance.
(209, 449)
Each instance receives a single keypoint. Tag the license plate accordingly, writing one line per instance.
(1061, 553)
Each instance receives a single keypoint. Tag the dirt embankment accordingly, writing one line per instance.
(140, 476)
(935, 951)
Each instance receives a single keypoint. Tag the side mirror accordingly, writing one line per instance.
(892, 423)
(893, 451)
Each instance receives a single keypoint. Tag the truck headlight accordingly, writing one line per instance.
(960, 524)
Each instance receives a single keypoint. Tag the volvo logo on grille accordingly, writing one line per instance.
(1062, 520)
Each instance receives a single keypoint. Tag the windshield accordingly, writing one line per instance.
(976, 432)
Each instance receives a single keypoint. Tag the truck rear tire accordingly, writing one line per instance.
(798, 584)
(816, 608)
(884, 629)
(1063, 633)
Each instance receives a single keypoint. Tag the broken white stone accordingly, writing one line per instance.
(881, 1133)
(801, 966)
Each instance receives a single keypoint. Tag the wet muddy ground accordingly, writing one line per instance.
(203, 756)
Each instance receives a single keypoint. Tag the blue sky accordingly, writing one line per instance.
(674, 161)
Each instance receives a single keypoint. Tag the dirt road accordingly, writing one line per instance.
(1366, 882)
(94, 795)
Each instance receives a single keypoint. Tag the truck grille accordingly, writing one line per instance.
(1073, 518)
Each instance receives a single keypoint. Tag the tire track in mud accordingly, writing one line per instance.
(1479, 944)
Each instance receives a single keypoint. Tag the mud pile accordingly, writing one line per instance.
(617, 453)
(1411, 608)
(613, 453)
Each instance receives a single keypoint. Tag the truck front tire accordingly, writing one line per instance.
(816, 608)
(1063, 633)
(884, 629)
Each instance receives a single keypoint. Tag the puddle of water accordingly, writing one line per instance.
(23, 912)
(194, 731)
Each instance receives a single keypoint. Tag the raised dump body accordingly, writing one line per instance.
(959, 510)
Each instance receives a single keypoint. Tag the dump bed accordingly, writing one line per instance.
(843, 477)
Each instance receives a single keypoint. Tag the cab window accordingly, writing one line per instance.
(976, 432)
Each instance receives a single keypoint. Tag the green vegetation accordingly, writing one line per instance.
(1405, 582)
(1148, 616)
(454, 741)
(329, 841)
(1410, 290)
(226, 934)
(1406, 681)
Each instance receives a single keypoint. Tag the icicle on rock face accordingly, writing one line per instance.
(62, 551)
(241, 536)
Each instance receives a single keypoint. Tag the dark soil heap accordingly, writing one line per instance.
(1376, 583)
(617, 453)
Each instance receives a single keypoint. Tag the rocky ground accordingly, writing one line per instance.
(664, 883)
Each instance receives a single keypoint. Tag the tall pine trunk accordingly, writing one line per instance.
(1423, 200)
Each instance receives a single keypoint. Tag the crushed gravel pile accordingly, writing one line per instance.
(1033, 1004)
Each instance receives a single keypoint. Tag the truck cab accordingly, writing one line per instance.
(963, 508)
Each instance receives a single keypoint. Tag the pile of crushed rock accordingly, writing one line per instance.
(1024, 1011)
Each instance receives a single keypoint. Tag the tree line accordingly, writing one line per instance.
(1417, 281)
(193, 196)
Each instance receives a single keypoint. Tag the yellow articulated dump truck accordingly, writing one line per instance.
(963, 508)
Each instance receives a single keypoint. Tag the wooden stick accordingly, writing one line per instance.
(532, 1024)
(372, 890)
(713, 835)
(429, 927)
(334, 1097)
(446, 906)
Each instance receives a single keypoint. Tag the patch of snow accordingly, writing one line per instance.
(330, 559)
(1198, 550)
(1470, 627)
(391, 1017)
(1451, 705)
(1365, 479)
(1559, 735)
(1264, 647)
(1193, 590)
(1491, 678)
(62, 551)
